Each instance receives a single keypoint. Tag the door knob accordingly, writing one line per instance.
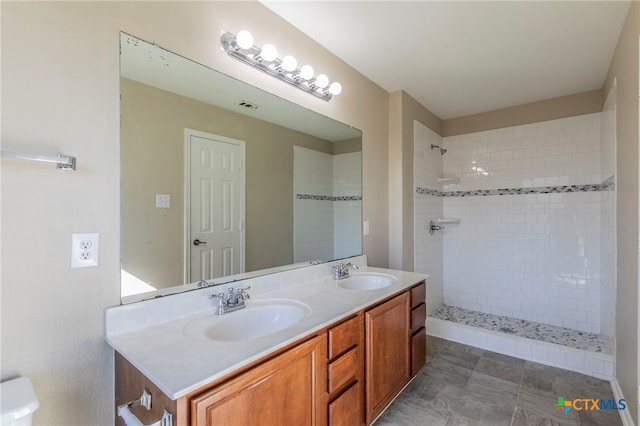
(197, 242)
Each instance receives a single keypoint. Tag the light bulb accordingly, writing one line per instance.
(322, 81)
(306, 72)
(269, 52)
(289, 63)
(335, 88)
(244, 39)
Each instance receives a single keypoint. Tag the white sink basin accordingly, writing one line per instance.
(366, 281)
(258, 319)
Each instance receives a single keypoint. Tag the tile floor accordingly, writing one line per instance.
(465, 386)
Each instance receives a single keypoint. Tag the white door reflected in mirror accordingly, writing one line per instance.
(215, 206)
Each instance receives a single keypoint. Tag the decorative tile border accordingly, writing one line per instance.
(427, 191)
(348, 198)
(609, 184)
(518, 191)
(314, 197)
(329, 197)
(606, 185)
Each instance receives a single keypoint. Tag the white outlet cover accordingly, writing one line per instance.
(84, 249)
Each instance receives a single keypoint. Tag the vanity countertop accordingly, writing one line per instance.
(179, 364)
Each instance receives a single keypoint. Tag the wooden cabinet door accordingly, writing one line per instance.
(282, 391)
(388, 357)
(418, 350)
(346, 409)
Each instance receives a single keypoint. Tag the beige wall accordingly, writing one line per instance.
(152, 151)
(403, 111)
(535, 112)
(60, 93)
(625, 71)
(347, 146)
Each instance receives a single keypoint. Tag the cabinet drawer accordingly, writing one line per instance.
(346, 410)
(418, 295)
(344, 336)
(418, 316)
(343, 370)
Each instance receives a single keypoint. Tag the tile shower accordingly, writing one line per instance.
(327, 196)
(529, 270)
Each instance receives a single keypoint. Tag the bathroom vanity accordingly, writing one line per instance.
(307, 349)
(341, 363)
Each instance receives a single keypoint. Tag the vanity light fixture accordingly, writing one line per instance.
(241, 47)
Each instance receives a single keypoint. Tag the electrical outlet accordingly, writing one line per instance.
(84, 250)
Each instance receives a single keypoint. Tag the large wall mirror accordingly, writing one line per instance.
(221, 181)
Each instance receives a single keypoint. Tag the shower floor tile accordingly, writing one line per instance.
(522, 328)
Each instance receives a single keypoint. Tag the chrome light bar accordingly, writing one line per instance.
(265, 60)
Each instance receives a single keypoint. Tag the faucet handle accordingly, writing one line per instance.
(242, 293)
(221, 302)
(218, 296)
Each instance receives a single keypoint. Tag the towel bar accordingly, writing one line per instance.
(63, 162)
(130, 419)
(447, 220)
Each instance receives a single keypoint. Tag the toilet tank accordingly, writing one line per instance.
(18, 402)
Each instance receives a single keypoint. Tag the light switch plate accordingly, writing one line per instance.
(163, 201)
(365, 227)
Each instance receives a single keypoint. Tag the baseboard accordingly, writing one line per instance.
(625, 415)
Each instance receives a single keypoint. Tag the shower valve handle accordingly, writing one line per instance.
(433, 227)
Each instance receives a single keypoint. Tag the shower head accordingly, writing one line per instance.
(442, 150)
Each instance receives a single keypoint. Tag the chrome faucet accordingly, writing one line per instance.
(341, 270)
(202, 284)
(232, 301)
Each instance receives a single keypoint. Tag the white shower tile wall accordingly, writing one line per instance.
(327, 196)
(347, 225)
(551, 153)
(312, 175)
(428, 248)
(529, 256)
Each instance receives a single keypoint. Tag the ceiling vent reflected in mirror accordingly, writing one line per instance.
(248, 105)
